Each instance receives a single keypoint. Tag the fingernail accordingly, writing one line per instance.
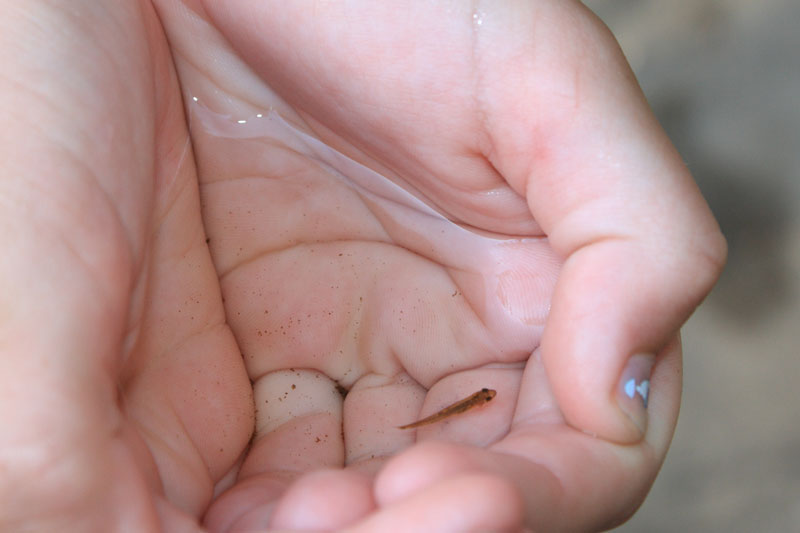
(634, 389)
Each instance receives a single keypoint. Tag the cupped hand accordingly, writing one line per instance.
(123, 396)
(550, 249)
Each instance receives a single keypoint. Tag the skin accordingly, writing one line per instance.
(125, 397)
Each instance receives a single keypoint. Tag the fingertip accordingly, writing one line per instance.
(608, 419)
(638, 402)
(633, 389)
(606, 314)
(602, 409)
(490, 498)
(501, 497)
(462, 502)
(246, 505)
(324, 500)
(417, 468)
(328, 499)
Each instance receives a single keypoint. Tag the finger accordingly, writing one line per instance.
(77, 162)
(426, 482)
(298, 430)
(298, 424)
(617, 477)
(568, 481)
(641, 247)
(324, 500)
(373, 409)
(249, 504)
(537, 406)
(461, 503)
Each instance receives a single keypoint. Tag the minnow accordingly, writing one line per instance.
(479, 398)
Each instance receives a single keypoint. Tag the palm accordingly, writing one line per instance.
(327, 283)
(325, 275)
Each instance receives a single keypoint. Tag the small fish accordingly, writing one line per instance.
(479, 398)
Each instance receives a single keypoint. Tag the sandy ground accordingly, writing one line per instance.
(724, 79)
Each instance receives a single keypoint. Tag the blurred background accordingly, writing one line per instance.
(723, 77)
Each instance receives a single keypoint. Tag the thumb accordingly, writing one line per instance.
(640, 246)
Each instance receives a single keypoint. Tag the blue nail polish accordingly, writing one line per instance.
(643, 388)
(634, 388)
